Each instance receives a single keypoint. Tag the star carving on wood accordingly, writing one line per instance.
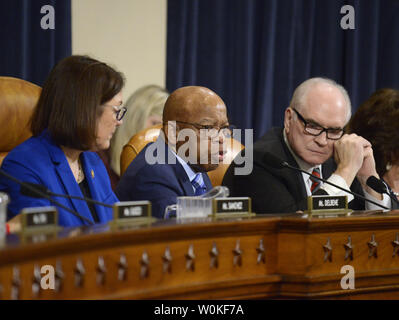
(348, 249)
(190, 258)
(80, 272)
(395, 244)
(237, 261)
(59, 276)
(36, 280)
(122, 267)
(15, 284)
(167, 261)
(261, 253)
(101, 270)
(145, 265)
(327, 251)
(373, 245)
(214, 253)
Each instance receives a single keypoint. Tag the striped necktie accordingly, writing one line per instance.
(315, 183)
(199, 184)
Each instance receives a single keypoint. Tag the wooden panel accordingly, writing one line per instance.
(294, 264)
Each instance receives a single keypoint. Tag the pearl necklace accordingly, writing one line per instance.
(81, 174)
(78, 174)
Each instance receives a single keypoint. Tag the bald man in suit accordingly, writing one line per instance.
(173, 166)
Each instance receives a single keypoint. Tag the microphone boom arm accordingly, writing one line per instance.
(286, 165)
(44, 195)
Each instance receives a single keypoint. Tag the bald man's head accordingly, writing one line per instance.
(195, 108)
(189, 103)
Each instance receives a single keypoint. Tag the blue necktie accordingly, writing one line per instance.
(198, 184)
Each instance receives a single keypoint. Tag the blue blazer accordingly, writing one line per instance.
(159, 183)
(40, 160)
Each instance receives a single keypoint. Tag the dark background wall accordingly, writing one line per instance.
(254, 53)
(27, 51)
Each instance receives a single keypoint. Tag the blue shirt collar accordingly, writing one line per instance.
(189, 171)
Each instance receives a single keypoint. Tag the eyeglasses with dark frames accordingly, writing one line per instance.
(214, 131)
(119, 113)
(316, 129)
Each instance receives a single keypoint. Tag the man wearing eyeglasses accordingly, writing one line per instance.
(195, 125)
(313, 139)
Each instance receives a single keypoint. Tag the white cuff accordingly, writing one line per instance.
(386, 201)
(339, 181)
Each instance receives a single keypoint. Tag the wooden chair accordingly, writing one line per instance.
(18, 98)
(142, 138)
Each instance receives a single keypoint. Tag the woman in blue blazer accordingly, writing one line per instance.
(77, 113)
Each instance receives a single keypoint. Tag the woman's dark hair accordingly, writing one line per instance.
(377, 120)
(71, 99)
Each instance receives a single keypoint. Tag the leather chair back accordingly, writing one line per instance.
(18, 98)
(142, 138)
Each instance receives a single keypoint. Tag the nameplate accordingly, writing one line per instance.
(232, 206)
(132, 210)
(327, 204)
(39, 218)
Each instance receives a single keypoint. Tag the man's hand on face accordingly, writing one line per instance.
(349, 153)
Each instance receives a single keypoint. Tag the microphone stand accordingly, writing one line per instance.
(43, 189)
(286, 165)
(44, 195)
(80, 198)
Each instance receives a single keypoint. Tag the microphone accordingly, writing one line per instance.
(277, 163)
(40, 194)
(28, 192)
(378, 186)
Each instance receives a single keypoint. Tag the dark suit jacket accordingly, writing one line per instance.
(160, 183)
(40, 160)
(277, 190)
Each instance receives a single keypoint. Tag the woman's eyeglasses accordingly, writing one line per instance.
(120, 113)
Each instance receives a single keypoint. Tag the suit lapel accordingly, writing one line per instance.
(180, 173)
(207, 181)
(183, 179)
(328, 168)
(67, 179)
(90, 171)
(294, 179)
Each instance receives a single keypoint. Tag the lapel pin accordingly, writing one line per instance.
(92, 173)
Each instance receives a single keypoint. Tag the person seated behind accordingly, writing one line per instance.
(77, 112)
(172, 166)
(313, 133)
(145, 108)
(377, 120)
